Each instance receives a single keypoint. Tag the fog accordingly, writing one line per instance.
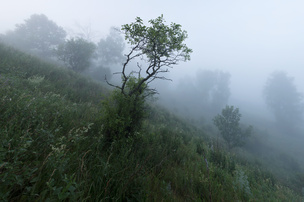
(247, 39)
(240, 44)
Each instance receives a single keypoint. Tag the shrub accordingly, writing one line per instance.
(228, 124)
(123, 113)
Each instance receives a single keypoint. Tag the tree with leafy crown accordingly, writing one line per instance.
(110, 50)
(284, 101)
(76, 54)
(160, 46)
(38, 34)
(157, 48)
(229, 126)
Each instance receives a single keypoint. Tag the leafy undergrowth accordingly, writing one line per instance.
(51, 147)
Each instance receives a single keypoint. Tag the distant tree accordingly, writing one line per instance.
(38, 35)
(229, 126)
(110, 50)
(213, 86)
(283, 99)
(76, 54)
(109, 53)
(160, 47)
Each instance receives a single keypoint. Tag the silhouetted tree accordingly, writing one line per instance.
(229, 126)
(38, 34)
(76, 54)
(283, 99)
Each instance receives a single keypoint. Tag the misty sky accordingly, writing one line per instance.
(250, 39)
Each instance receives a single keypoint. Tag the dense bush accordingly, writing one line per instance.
(123, 113)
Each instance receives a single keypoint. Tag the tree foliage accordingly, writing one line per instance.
(123, 115)
(37, 34)
(76, 53)
(229, 126)
(159, 46)
(283, 99)
(110, 50)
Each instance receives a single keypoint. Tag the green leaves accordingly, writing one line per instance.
(158, 40)
(123, 114)
(228, 125)
(284, 101)
(76, 53)
(159, 46)
(38, 34)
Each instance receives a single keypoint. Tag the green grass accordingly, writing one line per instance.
(52, 147)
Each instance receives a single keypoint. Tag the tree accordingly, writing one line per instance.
(213, 85)
(229, 127)
(110, 50)
(38, 35)
(109, 53)
(283, 99)
(160, 46)
(76, 54)
(123, 115)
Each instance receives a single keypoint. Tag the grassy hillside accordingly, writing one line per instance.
(52, 148)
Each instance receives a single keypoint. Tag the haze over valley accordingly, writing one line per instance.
(163, 100)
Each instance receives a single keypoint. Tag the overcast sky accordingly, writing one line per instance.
(250, 39)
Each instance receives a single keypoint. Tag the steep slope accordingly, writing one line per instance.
(51, 147)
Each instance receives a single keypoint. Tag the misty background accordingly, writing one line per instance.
(237, 47)
(248, 40)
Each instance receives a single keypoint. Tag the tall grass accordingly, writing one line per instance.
(51, 147)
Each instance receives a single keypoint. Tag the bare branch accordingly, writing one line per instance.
(117, 73)
(110, 83)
